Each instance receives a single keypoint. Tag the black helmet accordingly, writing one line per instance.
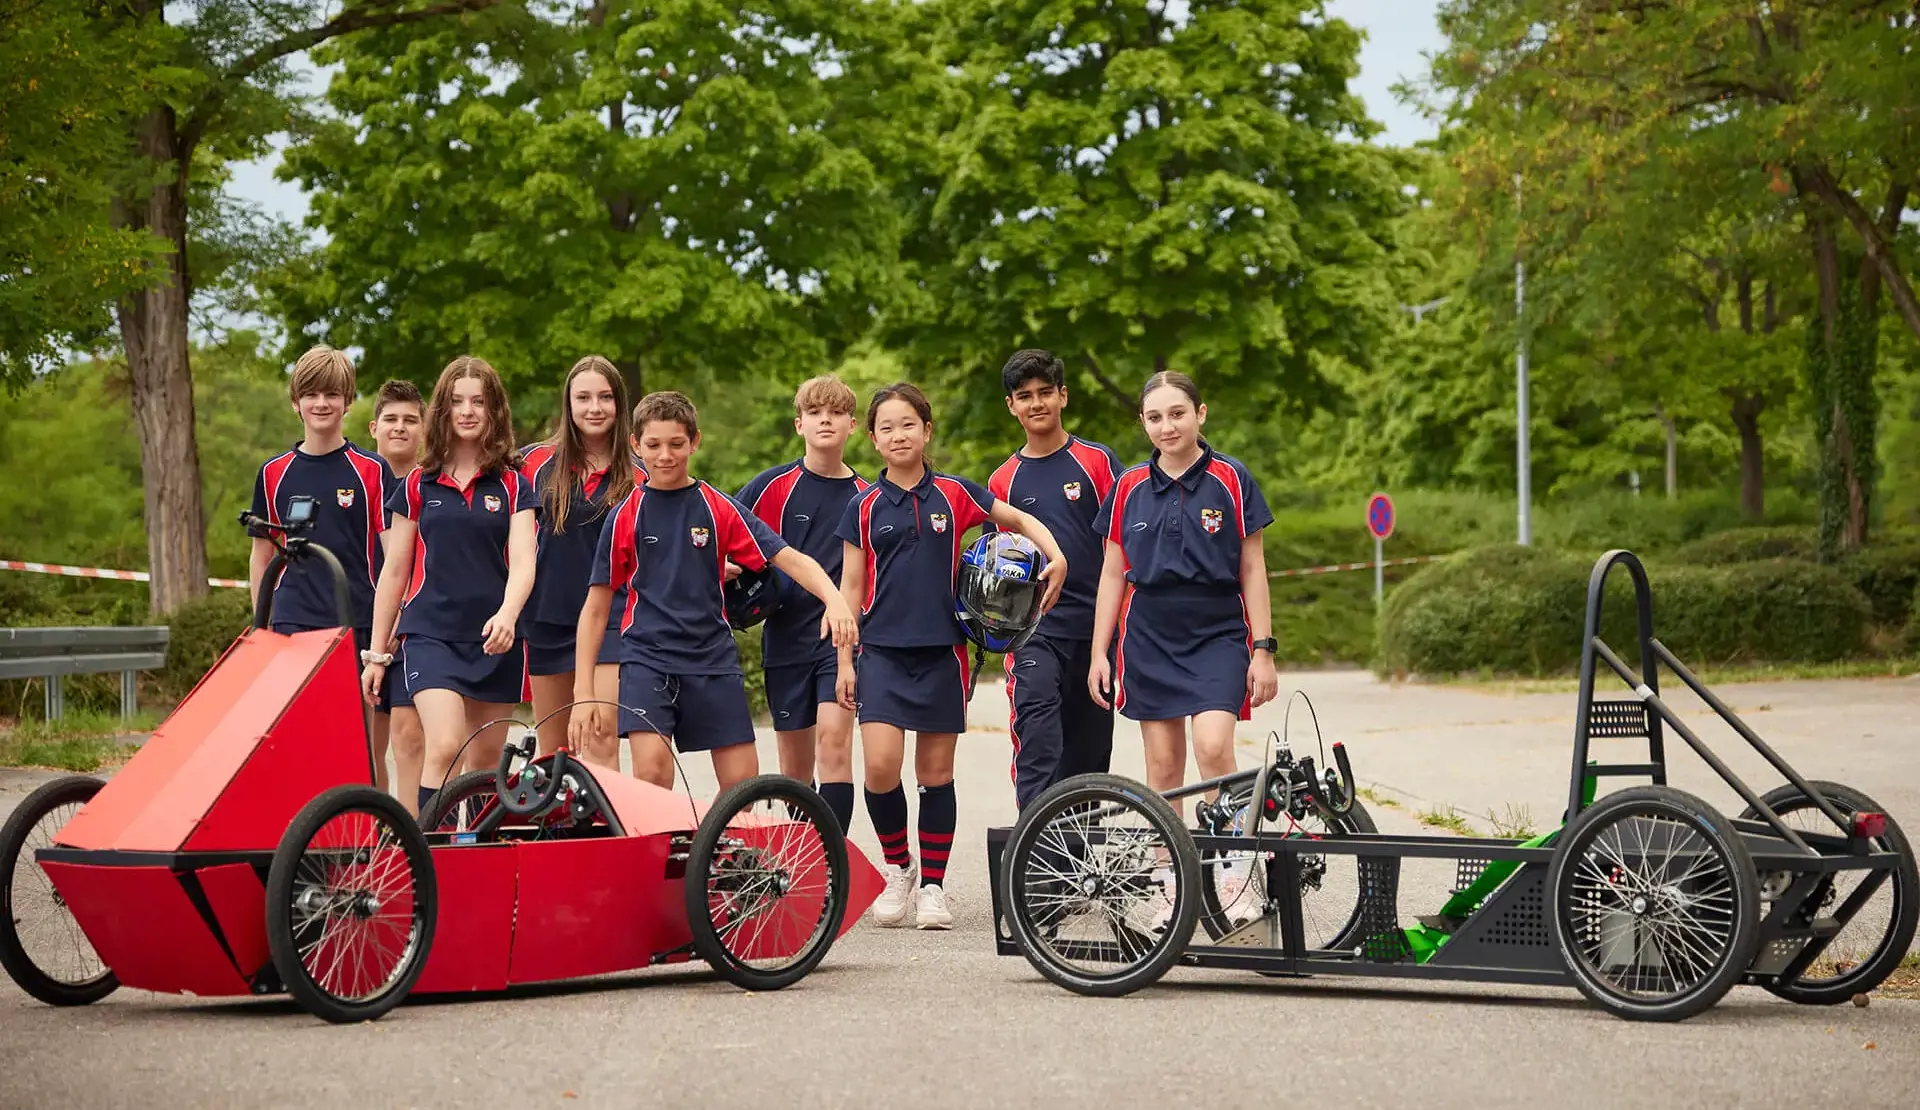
(997, 596)
(752, 597)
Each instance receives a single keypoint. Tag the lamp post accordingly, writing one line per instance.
(1521, 447)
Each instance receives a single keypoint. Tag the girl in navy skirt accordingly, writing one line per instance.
(1185, 584)
(576, 477)
(903, 544)
(460, 562)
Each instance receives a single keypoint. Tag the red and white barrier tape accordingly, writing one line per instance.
(100, 572)
(141, 575)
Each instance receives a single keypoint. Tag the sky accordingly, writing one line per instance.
(1398, 33)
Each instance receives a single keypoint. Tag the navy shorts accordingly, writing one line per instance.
(700, 712)
(796, 691)
(461, 666)
(1058, 730)
(920, 689)
(550, 648)
(1182, 653)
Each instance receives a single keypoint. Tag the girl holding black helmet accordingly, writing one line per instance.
(902, 557)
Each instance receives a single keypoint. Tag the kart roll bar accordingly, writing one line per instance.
(1646, 687)
(291, 548)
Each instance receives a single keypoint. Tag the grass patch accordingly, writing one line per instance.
(1711, 675)
(1514, 824)
(1448, 819)
(81, 741)
(1378, 798)
(1904, 982)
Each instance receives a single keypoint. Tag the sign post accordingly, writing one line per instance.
(1380, 525)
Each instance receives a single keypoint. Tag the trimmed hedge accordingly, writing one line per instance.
(1503, 611)
(1747, 545)
(1889, 575)
(199, 632)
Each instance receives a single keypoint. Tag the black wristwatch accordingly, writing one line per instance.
(1269, 644)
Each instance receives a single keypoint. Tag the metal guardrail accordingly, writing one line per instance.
(54, 653)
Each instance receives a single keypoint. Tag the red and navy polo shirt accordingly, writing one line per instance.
(1065, 490)
(669, 548)
(912, 542)
(349, 488)
(459, 575)
(804, 508)
(566, 556)
(1184, 531)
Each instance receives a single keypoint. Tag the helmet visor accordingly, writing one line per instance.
(1002, 602)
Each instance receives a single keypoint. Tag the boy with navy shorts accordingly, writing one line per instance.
(349, 489)
(802, 501)
(668, 543)
(398, 413)
(1058, 729)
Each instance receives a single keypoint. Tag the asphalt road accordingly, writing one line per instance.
(909, 1019)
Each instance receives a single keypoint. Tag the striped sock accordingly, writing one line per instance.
(888, 812)
(937, 819)
(839, 796)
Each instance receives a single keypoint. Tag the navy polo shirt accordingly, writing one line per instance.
(566, 556)
(912, 542)
(804, 508)
(349, 488)
(1184, 532)
(1065, 490)
(670, 547)
(459, 575)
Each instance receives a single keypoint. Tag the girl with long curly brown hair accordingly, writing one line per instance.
(460, 564)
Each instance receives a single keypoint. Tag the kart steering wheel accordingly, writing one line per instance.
(536, 787)
(1332, 793)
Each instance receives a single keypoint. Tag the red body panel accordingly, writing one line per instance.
(473, 932)
(643, 808)
(240, 906)
(144, 928)
(592, 906)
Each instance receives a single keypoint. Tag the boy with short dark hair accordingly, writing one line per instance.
(1058, 730)
(803, 501)
(669, 542)
(397, 427)
(349, 490)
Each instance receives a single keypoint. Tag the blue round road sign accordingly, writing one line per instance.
(1380, 516)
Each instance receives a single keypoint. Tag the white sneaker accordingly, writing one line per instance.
(895, 906)
(933, 912)
(1153, 913)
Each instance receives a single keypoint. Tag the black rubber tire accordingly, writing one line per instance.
(283, 873)
(802, 804)
(460, 788)
(1871, 972)
(13, 841)
(1164, 949)
(1743, 936)
(1357, 820)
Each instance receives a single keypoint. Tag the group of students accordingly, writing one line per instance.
(589, 574)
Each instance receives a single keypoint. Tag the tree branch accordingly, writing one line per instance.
(1105, 383)
(1879, 250)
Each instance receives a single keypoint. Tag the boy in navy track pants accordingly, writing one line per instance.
(1058, 729)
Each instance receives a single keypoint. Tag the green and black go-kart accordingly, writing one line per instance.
(1647, 899)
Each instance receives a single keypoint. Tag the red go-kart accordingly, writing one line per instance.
(244, 850)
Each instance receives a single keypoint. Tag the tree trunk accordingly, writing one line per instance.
(1746, 411)
(153, 327)
(1673, 451)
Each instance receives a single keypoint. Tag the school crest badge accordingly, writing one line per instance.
(939, 521)
(700, 536)
(1211, 520)
(493, 504)
(345, 497)
(1072, 490)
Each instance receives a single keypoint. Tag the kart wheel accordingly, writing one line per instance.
(1233, 885)
(766, 883)
(41, 945)
(351, 903)
(1101, 884)
(1875, 941)
(1656, 906)
(459, 804)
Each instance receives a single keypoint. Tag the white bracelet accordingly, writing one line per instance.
(382, 658)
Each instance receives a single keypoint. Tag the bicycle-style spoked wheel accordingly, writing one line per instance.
(767, 879)
(1875, 938)
(41, 944)
(351, 904)
(458, 806)
(1233, 884)
(1656, 907)
(1101, 882)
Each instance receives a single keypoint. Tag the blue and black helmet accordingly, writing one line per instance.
(997, 596)
(752, 597)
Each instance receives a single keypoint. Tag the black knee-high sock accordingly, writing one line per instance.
(839, 798)
(426, 798)
(937, 819)
(888, 812)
